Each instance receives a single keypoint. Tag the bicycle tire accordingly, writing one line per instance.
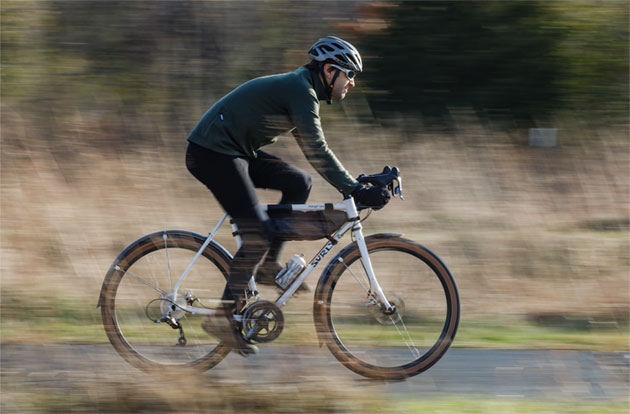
(127, 301)
(363, 337)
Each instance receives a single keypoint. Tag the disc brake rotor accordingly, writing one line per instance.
(378, 312)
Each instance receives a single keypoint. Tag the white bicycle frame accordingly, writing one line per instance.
(348, 206)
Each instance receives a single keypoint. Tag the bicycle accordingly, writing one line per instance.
(391, 327)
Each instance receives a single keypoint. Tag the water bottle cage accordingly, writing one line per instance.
(287, 275)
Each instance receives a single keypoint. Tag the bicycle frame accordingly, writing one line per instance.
(348, 206)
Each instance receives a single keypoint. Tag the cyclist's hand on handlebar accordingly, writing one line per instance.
(371, 196)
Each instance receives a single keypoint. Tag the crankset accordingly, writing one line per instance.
(263, 321)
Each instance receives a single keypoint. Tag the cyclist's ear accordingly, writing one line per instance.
(329, 71)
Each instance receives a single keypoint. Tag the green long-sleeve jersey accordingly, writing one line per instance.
(257, 112)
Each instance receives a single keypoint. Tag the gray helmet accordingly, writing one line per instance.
(337, 50)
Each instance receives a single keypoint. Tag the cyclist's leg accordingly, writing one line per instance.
(270, 172)
(228, 179)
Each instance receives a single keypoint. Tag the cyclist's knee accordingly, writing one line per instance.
(298, 188)
(307, 183)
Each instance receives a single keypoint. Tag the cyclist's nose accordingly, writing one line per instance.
(352, 82)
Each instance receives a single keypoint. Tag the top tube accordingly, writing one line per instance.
(347, 206)
(305, 207)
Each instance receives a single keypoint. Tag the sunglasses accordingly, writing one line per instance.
(350, 74)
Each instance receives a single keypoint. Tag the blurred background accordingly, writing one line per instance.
(98, 98)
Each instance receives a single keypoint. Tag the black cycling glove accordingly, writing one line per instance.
(375, 196)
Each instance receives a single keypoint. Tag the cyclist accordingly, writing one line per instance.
(224, 154)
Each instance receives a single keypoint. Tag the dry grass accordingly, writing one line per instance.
(524, 230)
(135, 392)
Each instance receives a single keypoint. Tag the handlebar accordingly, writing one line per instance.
(390, 178)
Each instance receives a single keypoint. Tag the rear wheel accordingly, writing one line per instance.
(369, 339)
(139, 289)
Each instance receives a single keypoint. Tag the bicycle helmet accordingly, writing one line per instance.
(339, 51)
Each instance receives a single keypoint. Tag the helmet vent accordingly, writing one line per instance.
(333, 49)
(341, 58)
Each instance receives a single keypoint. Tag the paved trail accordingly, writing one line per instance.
(495, 373)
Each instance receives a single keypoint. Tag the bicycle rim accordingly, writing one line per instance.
(141, 289)
(378, 344)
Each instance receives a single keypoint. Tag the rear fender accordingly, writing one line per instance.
(150, 238)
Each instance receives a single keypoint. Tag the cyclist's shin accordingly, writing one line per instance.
(275, 251)
(256, 238)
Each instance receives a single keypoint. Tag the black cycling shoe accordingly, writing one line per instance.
(225, 328)
(266, 275)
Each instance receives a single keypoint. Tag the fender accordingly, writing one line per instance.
(151, 238)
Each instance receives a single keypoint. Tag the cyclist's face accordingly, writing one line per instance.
(342, 83)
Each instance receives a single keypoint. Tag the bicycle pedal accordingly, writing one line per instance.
(247, 351)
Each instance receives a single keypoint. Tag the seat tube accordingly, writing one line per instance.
(237, 236)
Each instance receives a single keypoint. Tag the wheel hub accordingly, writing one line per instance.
(168, 305)
(382, 316)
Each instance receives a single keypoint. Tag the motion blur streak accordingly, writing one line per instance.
(99, 96)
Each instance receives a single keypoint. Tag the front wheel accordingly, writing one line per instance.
(369, 339)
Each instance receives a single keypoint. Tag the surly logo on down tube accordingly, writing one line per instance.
(322, 253)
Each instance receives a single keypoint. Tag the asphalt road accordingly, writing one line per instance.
(496, 373)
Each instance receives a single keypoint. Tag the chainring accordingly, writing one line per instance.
(263, 321)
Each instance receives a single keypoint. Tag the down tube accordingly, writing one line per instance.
(305, 273)
(311, 266)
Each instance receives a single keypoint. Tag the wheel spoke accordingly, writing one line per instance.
(141, 280)
(168, 262)
(141, 287)
(367, 289)
(379, 344)
(408, 340)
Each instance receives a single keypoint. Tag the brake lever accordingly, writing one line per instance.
(389, 174)
(397, 189)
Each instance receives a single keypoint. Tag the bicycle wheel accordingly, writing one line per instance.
(139, 288)
(361, 334)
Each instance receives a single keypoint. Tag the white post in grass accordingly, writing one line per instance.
(543, 137)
